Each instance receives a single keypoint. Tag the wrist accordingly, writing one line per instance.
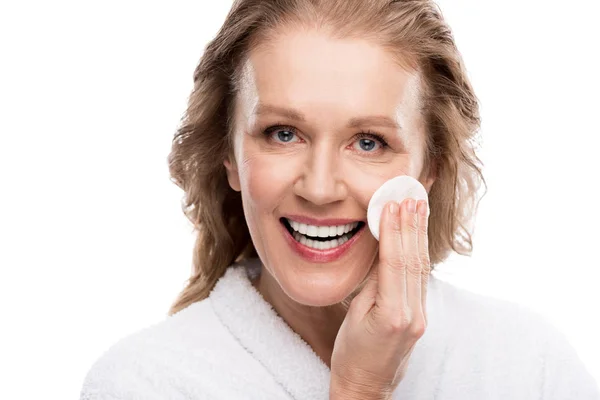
(344, 389)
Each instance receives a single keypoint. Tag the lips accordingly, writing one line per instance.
(322, 237)
(320, 230)
(321, 243)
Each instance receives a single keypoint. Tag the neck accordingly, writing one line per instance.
(317, 326)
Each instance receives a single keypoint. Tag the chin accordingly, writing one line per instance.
(322, 288)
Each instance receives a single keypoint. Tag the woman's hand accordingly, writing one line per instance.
(385, 320)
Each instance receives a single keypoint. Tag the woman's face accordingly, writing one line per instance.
(320, 124)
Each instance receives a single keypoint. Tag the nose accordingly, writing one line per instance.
(321, 181)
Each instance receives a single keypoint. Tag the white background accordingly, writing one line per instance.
(94, 246)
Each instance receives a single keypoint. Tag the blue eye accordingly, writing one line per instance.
(281, 134)
(285, 136)
(367, 144)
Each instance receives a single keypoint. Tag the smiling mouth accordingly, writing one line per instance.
(321, 237)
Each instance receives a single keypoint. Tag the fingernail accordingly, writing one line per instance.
(412, 206)
(394, 208)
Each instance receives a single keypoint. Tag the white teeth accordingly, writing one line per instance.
(322, 231)
(301, 228)
(312, 230)
(349, 227)
(338, 234)
(294, 225)
(321, 245)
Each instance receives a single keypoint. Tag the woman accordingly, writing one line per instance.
(301, 109)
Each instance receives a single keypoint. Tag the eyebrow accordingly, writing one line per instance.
(357, 122)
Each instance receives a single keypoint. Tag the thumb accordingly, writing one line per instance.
(365, 299)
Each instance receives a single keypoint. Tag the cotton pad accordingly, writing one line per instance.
(397, 189)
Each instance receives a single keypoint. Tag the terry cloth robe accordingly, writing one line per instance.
(233, 345)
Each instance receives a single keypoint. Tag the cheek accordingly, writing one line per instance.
(265, 179)
(363, 180)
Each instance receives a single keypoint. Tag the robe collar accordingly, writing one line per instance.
(264, 334)
(287, 357)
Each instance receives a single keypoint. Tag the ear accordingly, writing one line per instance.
(233, 176)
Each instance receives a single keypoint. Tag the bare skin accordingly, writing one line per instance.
(324, 166)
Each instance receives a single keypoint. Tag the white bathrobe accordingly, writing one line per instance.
(233, 345)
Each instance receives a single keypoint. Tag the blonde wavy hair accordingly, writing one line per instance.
(414, 32)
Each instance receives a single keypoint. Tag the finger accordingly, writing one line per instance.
(410, 249)
(391, 293)
(423, 216)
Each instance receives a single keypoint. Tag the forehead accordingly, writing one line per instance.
(309, 70)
